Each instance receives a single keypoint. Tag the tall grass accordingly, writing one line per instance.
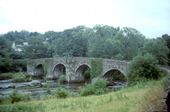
(139, 98)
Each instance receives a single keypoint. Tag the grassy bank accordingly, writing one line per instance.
(138, 98)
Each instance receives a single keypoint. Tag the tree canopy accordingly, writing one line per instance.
(100, 41)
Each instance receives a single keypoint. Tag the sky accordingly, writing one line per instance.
(150, 17)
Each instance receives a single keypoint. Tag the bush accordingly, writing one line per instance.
(96, 68)
(16, 97)
(163, 73)
(62, 93)
(47, 86)
(143, 68)
(118, 76)
(62, 79)
(16, 77)
(21, 77)
(98, 86)
(99, 83)
(87, 90)
(100, 91)
(87, 75)
(4, 76)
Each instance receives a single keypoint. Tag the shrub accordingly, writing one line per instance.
(163, 73)
(99, 83)
(100, 91)
(143, 68)
(88, 89)
(98, 86)
(87, 75)
(21, 77)
(62, 79)
(118, 76)
(46, 86)
(96, 68)
(62, 93)
(16, 97)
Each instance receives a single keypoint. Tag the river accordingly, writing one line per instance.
(38, 88)
(35, 88)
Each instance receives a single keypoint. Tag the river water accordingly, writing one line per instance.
(35, 88)
(38, 88)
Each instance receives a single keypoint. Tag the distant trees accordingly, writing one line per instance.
(109, 42)
(71, 42)
(37, 47)
(6, 63)
(130, 43)
(99, 41)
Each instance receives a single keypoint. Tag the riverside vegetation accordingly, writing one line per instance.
(141, 97)
(145, 78)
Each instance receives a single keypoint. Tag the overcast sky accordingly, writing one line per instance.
(150, 17)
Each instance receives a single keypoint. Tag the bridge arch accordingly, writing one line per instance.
(59, 70)
(83, 73)
(114, 75)
(39, 71)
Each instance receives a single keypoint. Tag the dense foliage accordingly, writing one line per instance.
(157, 48)
(16, 97)
(97, 87)
(99, 41)
(143, 68)
(96, 68)
(166, 37)
(62, 93)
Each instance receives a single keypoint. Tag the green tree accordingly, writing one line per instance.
(72, 42)
(109, 42)
(142, 68)
(5, 61)
(157, 47)
(130, 42)
(101, 41)
(37, 48)
(166, 37)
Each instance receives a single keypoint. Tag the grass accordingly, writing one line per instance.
(14, 97)
(139, 98)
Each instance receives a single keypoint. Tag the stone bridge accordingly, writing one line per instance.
(74, 68)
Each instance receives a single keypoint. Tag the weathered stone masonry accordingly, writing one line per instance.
(72, 67)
